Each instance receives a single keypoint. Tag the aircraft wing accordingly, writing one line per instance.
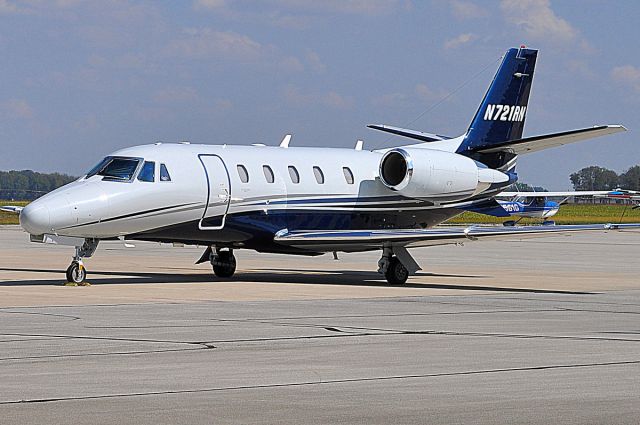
(546, 141)
(11, 209)
(346, 240)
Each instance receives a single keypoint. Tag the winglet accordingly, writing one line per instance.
(285, 141)
(359, 145)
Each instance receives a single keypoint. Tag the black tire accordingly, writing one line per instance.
(396, 273)
(75, 273)
(224, 265)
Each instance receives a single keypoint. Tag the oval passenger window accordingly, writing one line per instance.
(242, 173)
(319, 175)
(293, 173)
(268, 173)
(348, 175)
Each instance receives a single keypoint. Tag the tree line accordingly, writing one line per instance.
(599, 178)
(28, 185)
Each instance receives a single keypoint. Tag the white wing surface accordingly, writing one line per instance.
(357, 240)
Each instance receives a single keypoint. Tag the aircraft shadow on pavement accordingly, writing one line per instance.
(299, 277)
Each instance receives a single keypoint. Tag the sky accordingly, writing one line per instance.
(80, 79)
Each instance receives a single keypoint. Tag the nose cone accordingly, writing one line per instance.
(34, 218)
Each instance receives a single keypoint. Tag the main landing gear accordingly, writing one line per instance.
(76, 272)
(397, 264)
(223, 262)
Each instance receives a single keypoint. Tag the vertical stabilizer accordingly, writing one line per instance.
(503, 110)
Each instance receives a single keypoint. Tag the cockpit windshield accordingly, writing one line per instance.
(116, 168)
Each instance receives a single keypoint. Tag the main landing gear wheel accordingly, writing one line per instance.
(396, 273)
(223, 263)
(76, 273)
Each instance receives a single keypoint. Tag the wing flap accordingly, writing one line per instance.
(546, 141)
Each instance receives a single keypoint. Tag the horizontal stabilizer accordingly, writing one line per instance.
(490, 207)
(546, 141)
(411, 134)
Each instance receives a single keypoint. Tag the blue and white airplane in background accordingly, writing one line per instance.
(537, 205)
(308, 201)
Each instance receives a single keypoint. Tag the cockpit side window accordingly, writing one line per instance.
(164, 174)
(148, 172)
(116, 168)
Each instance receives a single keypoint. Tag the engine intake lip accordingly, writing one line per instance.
(396, 169)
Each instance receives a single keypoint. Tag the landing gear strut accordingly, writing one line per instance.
(223, 262)
(396, 271)
(76, 273)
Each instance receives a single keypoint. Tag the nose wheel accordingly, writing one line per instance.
(76, 273)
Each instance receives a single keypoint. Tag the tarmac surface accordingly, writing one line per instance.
(535, 331)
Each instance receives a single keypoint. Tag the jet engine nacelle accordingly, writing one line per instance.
(435, 175)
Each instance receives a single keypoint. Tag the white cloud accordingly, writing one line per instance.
(467, 10)
(175, 94)
(17, 108)
(426, 93)
(8, 8)
(332, 99)
(209, 4)
(421, 93)
(459, 40)
(354, 7)
(628, 74)
(314, 61)
(202, 43)
(538, 20)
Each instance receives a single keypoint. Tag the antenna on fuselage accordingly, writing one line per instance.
(285, 141)
(359, 145)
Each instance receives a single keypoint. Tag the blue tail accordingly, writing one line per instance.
(502, 112)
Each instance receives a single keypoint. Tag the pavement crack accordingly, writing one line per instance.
(115, 353)
(105, 338)
(325, 382)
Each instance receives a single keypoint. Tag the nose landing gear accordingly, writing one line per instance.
(76, 272)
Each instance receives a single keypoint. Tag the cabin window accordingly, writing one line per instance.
(242, 172)
(164, 174)
(348, 175)
(148, 172)
(268, 174)
(293, 173)
(319, 175)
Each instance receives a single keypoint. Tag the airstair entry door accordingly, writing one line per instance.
(218, 192)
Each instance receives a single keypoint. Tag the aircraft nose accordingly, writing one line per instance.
(35, 219)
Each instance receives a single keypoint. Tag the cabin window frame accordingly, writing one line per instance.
(318, 174)
(348, 175)
(293, 172)
(269, 175)
(243, 173)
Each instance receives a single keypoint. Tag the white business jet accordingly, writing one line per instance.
(307, 201)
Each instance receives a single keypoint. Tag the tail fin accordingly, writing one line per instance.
(502, 112)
